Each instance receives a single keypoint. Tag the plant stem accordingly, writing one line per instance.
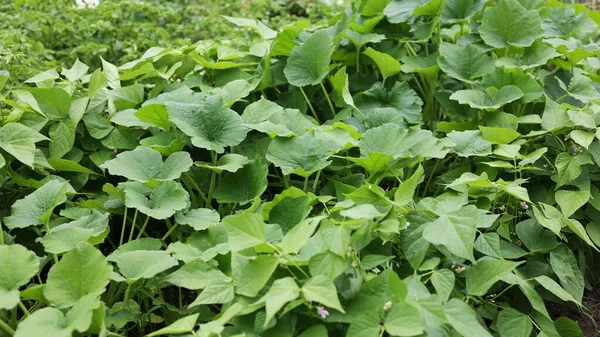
(123, 227)
(133, 225)
(328, 99)
(1, 235)
(213, 181)
(7, 328)
(305, 183)
(143, 227)
(312, 110)
(357, 60)
(430, 178)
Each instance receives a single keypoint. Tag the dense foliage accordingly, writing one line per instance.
(41, 34)
(406, 168)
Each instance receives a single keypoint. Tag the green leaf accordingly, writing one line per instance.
(315, 331)
(465, 63)
(194, 275)
(455, 231)
(299, 235)
(491, 99)
(244, 185)
(567, 327)
(388, 66)
(65, 240)
(556, 289)
(17, 266)
(482, 275)
(398, 142)
(563, 21)
(338, 237)
(308, 63)
(145, 164)
(405, 192)
(582, 88)
(322, 290)
(139, 264)
(80, 272)
(37, 207)
(230, 162)
(53, 103)
(62, 136)
(77, 71)
(535, 237)
(19, 141)
(51, 322)
(160, 202)
(68, 166)
(443, 283)
(302, 155)
(199, 218)
(327, 264)
(217, 292)
(182, 325)
(281, 292)
(255, 275)
(498, 135)
(513, 323)
(566, 267)
(500, 78)
(403, 320)
(400, 10)
(245, 230)
(571, 201)
(431, 8)
(568, 169)
(399, 100)
(210, 124)
(456, 11)
(156, 114)
(583, 138)
(340, 85)
(510, 24)
(128, 97)
(488, 244)
(470, 143)
(464, 320)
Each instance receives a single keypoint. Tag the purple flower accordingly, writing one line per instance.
(524, 205)
(324, 313)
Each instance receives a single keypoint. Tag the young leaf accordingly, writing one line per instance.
(80, 272)
(463, 319)
(161, 202)
(320, 289)
(308, 63)
(141, 264)
(145, 164)
(17, 266)
(482, 275)
(245, 230)
(512, 322)
(388, 66)
(37, 207)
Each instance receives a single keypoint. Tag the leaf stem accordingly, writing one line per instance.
(7, 328)
(133, 225)
(305, 183)
(143, 227)
(127, 293)
(213, 181)
(24, 308)
(328, 99)
(170, 231)
(196, 187)
(123, 227)
(314, 187)
(312, 110)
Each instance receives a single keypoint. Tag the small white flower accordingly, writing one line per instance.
(387, 306)
(407, 224)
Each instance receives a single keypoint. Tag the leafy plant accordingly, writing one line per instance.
(405, 168)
